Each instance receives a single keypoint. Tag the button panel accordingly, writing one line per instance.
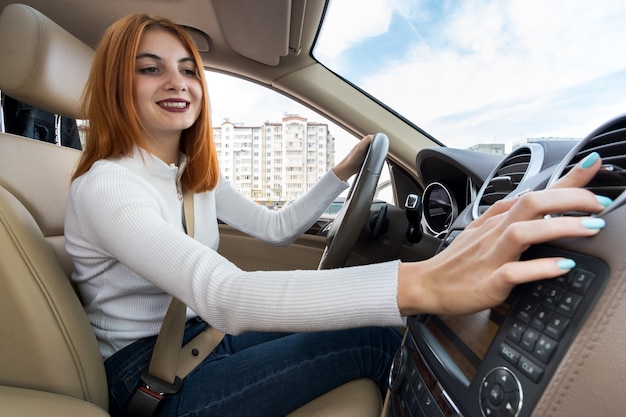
(418, 393)
(533, 331)
(542, 317)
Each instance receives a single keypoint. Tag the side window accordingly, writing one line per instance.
(271, 148)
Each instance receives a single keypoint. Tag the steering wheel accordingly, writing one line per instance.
(346, 227)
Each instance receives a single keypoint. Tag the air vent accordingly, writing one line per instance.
(507, 176)
(611, 145)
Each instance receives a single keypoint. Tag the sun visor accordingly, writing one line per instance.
(263, 31)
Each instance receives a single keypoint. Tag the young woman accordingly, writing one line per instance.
(291, 335)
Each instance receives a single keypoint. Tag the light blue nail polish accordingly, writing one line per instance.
(566, 264)
(593, 223)
(605, 201)
(589, 160)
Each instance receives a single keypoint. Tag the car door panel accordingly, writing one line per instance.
(252, 254)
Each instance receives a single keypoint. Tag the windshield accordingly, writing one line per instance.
(478, 71)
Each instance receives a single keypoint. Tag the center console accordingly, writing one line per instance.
(495, 363)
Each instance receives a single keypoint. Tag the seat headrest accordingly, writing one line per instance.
(40, 62)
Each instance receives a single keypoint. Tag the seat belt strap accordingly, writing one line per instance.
(164, 359)
(198, 348)
(170, 363)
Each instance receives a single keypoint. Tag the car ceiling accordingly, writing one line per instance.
(237, 33)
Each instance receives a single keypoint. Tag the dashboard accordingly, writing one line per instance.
(554, 347)
(457, 179)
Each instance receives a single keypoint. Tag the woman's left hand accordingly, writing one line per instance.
(351, 164)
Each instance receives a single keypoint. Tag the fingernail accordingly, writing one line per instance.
(593, 223)
(589, 160)
(605, 201)
(566, 264)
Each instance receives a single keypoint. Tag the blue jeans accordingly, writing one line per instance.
(260, 374)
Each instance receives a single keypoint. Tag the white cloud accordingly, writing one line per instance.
(516, 54)
(245, 102)
(349, 25)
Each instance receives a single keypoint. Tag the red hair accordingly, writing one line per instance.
(109, 104)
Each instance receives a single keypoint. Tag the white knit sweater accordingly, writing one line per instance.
(124, 231)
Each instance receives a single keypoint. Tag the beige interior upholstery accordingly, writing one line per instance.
(48, 342)
(359, 398)
(49, 360)
(19, 402)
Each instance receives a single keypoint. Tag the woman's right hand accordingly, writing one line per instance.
(481, 266)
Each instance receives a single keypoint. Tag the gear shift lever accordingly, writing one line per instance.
(413, 210)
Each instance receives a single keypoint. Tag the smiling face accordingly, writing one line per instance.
(168, 93)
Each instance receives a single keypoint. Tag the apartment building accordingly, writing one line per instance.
(276, 161)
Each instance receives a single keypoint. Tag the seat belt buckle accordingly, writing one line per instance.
(148, 396)
(159, 386)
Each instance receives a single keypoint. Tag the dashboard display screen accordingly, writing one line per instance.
(466, 339)
(439, 208)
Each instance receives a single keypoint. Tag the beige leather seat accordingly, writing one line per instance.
(49, 360)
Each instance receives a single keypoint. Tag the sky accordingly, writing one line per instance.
(469, 72)
(481, 71)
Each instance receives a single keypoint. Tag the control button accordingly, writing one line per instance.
(541, 316)
(511, 405)
(488, 410)
(545, 348)
(508, 353)
(410, 401)
(537, 290)
(556, 326)
(500, 394)
(496, 395)
(530, 369)
(526, 312)
(552, 295)
(412, 373)
(581, 280)
(505, 378)
(568, 304)
(516, 331)
(429, 406)
(562, 280)
(416, 381)
(529, 339)
(407, 410)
